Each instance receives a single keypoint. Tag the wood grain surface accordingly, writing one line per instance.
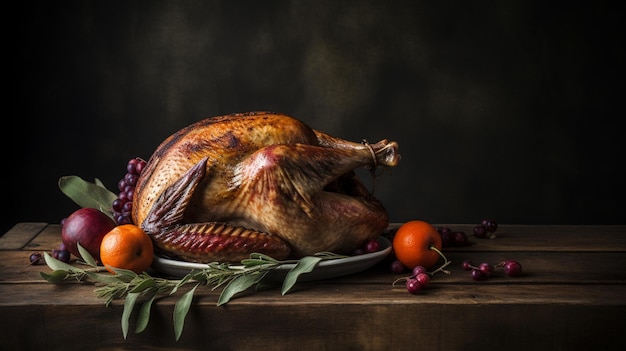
(572, 295)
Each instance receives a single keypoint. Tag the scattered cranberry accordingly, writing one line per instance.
(480, 231)
(490, 225)
(423, 279)
(486, 269)
(397, 267)
(477, 275)
(419, 269)
(512, 268)
(413, 286)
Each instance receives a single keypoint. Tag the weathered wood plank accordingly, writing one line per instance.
(549, 238)
(570, 297)
(20, 235)
(445, 325)
(574, 270)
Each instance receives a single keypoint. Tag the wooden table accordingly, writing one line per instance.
(571, 297)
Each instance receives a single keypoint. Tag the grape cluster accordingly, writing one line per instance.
(485, 270)
(123, 205)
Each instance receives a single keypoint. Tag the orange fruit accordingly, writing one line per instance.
(412, 244)
(127, 246)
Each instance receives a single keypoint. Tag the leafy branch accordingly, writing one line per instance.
(130, 286)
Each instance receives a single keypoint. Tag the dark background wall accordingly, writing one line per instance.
(502, 109)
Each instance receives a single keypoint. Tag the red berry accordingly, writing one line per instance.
(413, 286)
(486, 269)
(372, 246)
(477, 274)
(512, 268)
(480, 231)
(490, 225)
(467, 265)
(397, 267)
(423, 279)
(419, 269)
(460, 239)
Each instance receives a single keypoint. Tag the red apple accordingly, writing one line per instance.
(86, 226)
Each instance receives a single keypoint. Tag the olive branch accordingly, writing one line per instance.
(130, 286)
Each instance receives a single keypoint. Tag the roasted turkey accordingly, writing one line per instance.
(228, 186)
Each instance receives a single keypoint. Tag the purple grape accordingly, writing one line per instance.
(118, 205)
(131, 179)
(127, 207)
(61, 255)
(140, 166)
(36, 258)
(121, 185)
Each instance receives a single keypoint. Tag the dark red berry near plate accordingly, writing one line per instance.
(358, 251)
(372, 246)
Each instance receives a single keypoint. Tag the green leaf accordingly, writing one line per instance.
(260, 256)
(144, 314)
(145, 284)
(55, 277)
(87, 194)
(238, 285)
(99, 183)
(250, 262)
(86, 256)
(129, 304)
(104, 278)
(180, 311)
(124, 272)
(305, 265)
(57, 265)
